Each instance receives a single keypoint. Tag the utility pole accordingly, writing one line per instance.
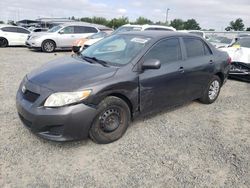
(167, 15)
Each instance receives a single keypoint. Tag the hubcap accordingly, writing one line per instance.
(214, 90)
(49, 46)
(110, 120)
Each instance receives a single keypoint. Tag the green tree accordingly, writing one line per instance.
(117, 22)
(236, 25)
(191, 24)
(86, 19)
(100, 20)
(141, 20)
(177, 24)
(248, 29)
(1, 22)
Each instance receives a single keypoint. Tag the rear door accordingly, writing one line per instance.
(165, 86)
(84, 31)
(198, 65)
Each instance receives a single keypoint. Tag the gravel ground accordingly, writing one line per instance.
(192, 145)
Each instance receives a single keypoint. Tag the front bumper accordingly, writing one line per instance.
(33, 44)
(58, 124)
(240, 71)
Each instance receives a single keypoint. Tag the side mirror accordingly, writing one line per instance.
(61, 32)
(151, 64)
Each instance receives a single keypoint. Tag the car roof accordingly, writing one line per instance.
(7, 25)
(159, 34)
(144, 26)
(85, 24)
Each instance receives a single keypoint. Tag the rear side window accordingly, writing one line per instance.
(84, 29)
(196, 47)
(166, 51)
(21, 30)
(9, 29)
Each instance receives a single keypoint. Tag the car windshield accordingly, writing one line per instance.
(243, 42)
(55, 29)
(117, 50)
(127, 28)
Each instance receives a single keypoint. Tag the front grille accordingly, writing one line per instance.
(55, 130)
(30, 96)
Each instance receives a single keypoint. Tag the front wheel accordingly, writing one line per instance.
(3, 42)
(212, 91)
(48, 46)
(111, 122)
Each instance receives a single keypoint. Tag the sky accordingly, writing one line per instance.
(215, 14)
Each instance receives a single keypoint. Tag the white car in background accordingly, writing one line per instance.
(83, 43)
(12, 35)
(239, 51)
(146, 27)
(62, 36)
(195, 32)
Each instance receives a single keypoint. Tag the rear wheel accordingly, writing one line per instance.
(212, 91)
(3, 42)
(48, 46)
(111, 121)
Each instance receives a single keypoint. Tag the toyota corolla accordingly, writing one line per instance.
(99, 91)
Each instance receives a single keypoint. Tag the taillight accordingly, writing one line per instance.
(229, 60)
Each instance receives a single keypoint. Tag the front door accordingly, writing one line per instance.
(66, 37)
(165, 86)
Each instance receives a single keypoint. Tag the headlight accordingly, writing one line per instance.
(34, 37)
(65, 98)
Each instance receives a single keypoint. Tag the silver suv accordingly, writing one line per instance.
(62, 36)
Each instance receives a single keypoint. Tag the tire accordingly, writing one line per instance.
(48, 46)
(212, 91)
(111, 121)
(3, 42)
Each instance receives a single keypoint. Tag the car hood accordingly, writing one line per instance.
(69, 74)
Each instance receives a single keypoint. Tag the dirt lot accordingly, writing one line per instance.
(193, 145)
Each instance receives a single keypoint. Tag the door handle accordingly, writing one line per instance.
(181, 70)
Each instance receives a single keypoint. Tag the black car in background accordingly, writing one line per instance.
(99, 91)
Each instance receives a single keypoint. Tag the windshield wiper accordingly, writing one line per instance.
(95, 60)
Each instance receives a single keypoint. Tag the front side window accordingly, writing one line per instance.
(117, 49)
(67, 30)
(166, 51)
(195, 47)
(21, 30)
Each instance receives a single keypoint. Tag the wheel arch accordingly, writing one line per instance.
(49, 40)
(5, 39)
(221, 76)
(125, 99)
